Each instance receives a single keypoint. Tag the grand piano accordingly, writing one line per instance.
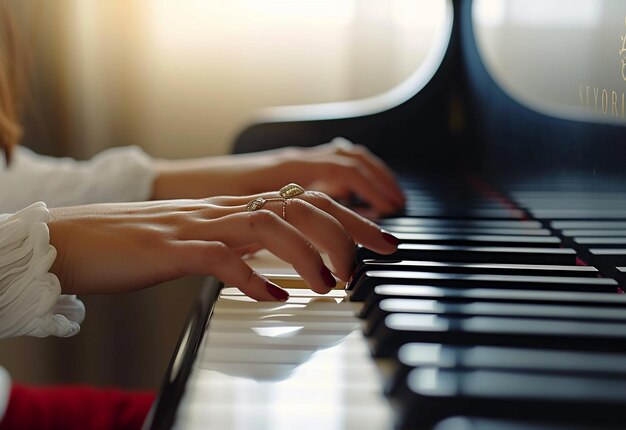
(503, 308)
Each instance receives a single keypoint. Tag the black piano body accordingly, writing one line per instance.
(489, 172)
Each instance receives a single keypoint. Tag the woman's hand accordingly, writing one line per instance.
(338, 168)
(110, 248)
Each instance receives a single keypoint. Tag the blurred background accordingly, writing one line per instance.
(181, 79)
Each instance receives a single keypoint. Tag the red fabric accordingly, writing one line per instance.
(75, 407)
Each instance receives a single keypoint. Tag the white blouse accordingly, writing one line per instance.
(116, 175)
(31, 302)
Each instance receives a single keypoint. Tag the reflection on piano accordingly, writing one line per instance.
(502, 308)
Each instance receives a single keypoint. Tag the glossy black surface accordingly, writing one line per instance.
(163, 411)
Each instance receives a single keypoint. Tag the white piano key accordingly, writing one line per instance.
(293, 292)
(292, 300)
(297, 338)
(303, 364)
(306, 323)
(302, 417)
(335, 388)
(310, 307)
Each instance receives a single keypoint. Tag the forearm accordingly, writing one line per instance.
(224, 175)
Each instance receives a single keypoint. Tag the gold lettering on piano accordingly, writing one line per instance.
(602, 101)
(606, 101)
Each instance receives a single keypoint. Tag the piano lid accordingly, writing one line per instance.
(565, 58)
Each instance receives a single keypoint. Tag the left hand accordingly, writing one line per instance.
(338, 168)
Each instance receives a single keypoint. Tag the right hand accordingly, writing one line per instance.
(113, 248)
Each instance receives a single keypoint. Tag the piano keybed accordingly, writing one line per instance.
(494, 313)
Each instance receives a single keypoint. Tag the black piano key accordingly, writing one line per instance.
(469, 230)
(469, 295)
(415, 355)
(576, 214)
(431, 394)
(595, 225)
(593, 233)
(362, 286)
(398, 329)
(478, 308)
(485, 268)
(476, 254)
(431, 222)
(601, 242)
(479, 239)
(610, 256)
(464, 213)
(474, 423)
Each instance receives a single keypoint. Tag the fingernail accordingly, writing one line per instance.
(328, 277)
(390, 238)
(277, 292)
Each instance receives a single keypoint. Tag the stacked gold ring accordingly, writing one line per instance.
(289, 191)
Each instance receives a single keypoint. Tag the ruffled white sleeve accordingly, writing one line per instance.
(116, 175)
(31, 302)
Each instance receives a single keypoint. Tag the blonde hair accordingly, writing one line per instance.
(12, 82)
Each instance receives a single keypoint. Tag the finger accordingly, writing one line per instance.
(271, 232)
(382, 173)
(326, 233)
(216, 259)
(362, 182)
(248, 249)
(362, 230)
(379, 170)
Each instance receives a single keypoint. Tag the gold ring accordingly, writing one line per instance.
(255, 204)
(290, 191)
(259, 202)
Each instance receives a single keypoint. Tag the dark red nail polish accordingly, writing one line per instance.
(277, 292)
(391, 239)
(328, 277)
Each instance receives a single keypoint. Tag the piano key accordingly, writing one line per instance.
(596, 225)
(303, 322)
(478, 308)
(362, 286)
(575, 214)
(293, 292)
(432, 394)
(415, 355)
(474, 230)
(473, 423)
(476, 254)
(485, 268)
(479, 239)
(398, 329)
(593, 233)
(468, 295)
(613, 241)
(432, 222)
(610, 256)
(465, 213)
(339, 380)
(311, 307)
